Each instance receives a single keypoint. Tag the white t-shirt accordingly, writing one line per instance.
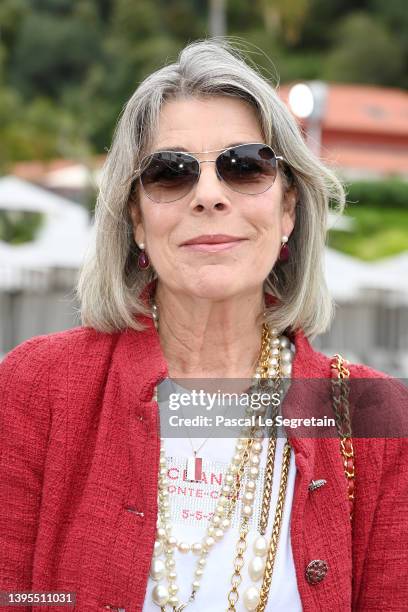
(191, 505)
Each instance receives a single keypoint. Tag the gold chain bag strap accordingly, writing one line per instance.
(341, 407)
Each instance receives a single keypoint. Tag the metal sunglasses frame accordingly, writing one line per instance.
(139, 172)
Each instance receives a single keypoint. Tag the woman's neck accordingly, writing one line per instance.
(201, 338)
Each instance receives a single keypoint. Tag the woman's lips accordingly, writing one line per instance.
(214, 247)
(212, 244)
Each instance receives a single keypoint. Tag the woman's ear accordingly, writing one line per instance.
(290, 199)
(137, 221)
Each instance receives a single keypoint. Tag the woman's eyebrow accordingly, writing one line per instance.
(171, 149)
(184, 150)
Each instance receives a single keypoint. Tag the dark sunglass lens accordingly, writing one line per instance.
(249, 169)
(169, 176)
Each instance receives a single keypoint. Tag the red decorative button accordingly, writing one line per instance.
(316, 571)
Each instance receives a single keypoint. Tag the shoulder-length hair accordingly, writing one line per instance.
(110, 283)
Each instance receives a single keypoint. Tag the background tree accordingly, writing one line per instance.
(364, 52)
(285, 17)
(394, 16)
(53, 51)
(66, 68)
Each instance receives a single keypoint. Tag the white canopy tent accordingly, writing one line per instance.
(348, 277)
(395, 268)
(62, 239)
(344, 274)
(77, 176)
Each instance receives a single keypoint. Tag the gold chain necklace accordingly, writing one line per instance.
(273, 362)
(255, 598)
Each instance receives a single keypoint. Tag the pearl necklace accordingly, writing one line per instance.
(276, 358)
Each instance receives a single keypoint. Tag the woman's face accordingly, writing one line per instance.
(259, 221)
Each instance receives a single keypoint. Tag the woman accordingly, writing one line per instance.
(210, 229)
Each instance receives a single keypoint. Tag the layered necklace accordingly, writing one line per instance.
(275, 362)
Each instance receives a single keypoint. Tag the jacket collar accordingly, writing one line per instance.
(144, 361)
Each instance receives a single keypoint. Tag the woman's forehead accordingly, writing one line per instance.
(206, 124)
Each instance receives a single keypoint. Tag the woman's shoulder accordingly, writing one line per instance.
(48, 347)
(38, 375)
(360, 370)
(80, 357)
(310, 362)
(30, 363)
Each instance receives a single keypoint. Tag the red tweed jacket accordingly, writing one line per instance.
(78, 480)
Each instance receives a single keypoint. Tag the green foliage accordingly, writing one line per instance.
(323, 16)
(296, 67)
(285, 17)
(243, 13)
(365, 52)
(378, 232)
(52, 52)
(132, 21)
(11, 14)
(67, 68)
(380, 213)
(276, 64)
(390, 193)
(41, 130)
(17, 227)
(185, 19)
(262, 51)
(394, 15)
(111, 93)
(2, 61)
(58, 7)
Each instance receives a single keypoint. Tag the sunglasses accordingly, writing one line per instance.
(250, 169)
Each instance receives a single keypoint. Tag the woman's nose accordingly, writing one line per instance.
(210, 191)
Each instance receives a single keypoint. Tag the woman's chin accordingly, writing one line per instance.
(218, 287)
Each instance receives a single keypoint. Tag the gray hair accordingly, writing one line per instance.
(110, 283)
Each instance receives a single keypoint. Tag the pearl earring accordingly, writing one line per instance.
(143, 261)
(284, 251)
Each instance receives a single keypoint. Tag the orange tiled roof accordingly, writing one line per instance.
(380, 160)
(367, 109)
(36, 171)
(363, 108)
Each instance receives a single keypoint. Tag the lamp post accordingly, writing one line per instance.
(217, 18)
(308, 101)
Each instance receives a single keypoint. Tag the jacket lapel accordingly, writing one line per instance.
(320, 526)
